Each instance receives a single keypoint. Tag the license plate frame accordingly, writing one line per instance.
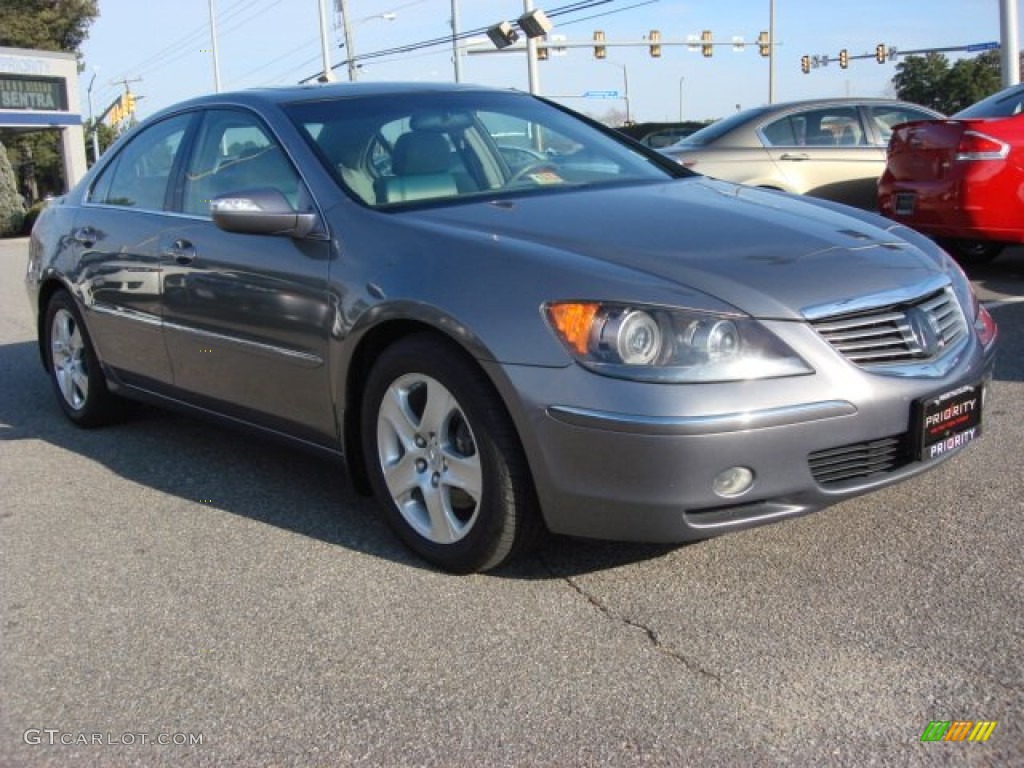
(946, 422)
(904, 203)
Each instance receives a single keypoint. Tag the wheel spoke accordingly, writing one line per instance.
(443, 527)
(464, 472)
(438, 408)
(394, 411)
(62, 372)
(79, 385)
(401, 476)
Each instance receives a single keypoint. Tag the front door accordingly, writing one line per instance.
(247, 317)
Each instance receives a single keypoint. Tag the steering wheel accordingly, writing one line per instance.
(529, 168)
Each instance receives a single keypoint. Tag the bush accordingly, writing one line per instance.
(30, 217)
(12, 206)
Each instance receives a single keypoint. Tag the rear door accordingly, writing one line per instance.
(826, 152)
(117, 234)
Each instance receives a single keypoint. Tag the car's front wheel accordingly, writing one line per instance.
(73, 366)
(444, 459)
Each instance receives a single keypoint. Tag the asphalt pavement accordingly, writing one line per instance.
(165, 580)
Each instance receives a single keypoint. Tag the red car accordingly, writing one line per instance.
(961, 180)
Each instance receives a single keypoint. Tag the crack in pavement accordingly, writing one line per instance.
(649, 632)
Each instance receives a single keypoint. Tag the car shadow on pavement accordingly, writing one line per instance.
(194, 460)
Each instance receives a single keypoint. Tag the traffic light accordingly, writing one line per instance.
(706, 48)
(844, 58)
(600, 51)
(655, 40)
(805, 64)
(764, 45)
(880, 53)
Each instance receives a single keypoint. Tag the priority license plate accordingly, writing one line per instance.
(904, 203)
(949, 421)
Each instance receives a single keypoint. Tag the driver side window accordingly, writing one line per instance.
(235, 153)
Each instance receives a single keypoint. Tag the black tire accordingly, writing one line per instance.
(973, 251)
(444, 459)
(74, 369)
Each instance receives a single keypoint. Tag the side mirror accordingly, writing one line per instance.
(263, 211)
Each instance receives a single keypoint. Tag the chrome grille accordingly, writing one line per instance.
(903, 333)
(859, 460)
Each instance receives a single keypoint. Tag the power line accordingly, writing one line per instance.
(583, 5)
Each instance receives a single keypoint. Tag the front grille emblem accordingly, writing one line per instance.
(921, 333)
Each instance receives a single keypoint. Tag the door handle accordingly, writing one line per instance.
(182, 251)
(795, 156)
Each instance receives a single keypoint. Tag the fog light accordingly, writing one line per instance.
(734, 481)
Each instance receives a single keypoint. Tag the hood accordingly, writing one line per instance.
(765, 253)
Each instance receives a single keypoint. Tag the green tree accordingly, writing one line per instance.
(920, 78)
(12, 208)
(46, 25)
(929, 80)
(971, 80)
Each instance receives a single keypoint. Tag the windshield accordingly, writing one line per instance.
(1003, 104)
(716, 130)
(401, 148)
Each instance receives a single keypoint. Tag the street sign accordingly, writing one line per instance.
(991, 46)
(600, 94)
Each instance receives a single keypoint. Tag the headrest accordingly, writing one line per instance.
(420, 152)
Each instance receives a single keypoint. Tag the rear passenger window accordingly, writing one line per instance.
(138, 176)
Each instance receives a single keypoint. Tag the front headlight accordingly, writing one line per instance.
(977, 316)
(670, 345)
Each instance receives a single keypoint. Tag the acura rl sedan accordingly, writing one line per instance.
(504, 318)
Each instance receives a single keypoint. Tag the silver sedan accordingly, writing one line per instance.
(502, 318)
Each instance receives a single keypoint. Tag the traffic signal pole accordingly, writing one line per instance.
(1009, 58)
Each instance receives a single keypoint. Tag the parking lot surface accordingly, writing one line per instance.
(165, 580)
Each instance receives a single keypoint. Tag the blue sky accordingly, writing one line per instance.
(276, 42)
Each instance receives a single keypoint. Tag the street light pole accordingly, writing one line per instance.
(681, 80)
(92, 121)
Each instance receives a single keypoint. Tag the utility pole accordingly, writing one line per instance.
(456, 61)
(325, 50)
(213, 48)
(350, 50)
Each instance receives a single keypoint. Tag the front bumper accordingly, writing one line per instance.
(631, 461)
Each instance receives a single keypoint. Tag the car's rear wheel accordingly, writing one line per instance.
(444, 459)
(973, 251)
(73, 366)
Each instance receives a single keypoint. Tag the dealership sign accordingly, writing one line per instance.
(37, 93)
